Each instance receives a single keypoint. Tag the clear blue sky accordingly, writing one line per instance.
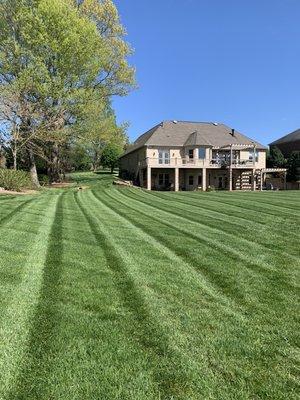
(231, 61)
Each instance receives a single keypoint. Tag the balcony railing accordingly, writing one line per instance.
(193, 162)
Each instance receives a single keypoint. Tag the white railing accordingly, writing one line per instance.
(172, 162)
(193, 162)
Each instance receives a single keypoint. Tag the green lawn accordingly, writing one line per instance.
(117, 293)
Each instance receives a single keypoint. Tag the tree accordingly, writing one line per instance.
(275, 158)
(99, 128)
(59, 57)
(293, 164)
(110, 156)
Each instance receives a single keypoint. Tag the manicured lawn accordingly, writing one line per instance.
(117, 293)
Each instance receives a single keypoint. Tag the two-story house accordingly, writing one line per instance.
(182, 155)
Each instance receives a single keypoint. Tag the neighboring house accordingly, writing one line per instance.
(288, 143)
(181, 155)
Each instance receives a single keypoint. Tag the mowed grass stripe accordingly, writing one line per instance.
(254, 231)
(170, 294)
(233, 199)
(78, 320)
(239, 247)
(257, 216)
(11, 214)
(171, 379)
(16, 324)
(206, 260)
(164, 233)
(251, 332)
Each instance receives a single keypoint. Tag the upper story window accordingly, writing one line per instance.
(201, 153)
(251, 155)
(191, 153)
(163, 156)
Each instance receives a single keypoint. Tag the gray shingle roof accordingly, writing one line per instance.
(184, 133)
(291, 137)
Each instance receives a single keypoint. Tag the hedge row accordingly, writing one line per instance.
(14, 180)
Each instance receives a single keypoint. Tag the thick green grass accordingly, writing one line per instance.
(117, 293)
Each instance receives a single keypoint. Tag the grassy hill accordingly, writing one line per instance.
(117, 293)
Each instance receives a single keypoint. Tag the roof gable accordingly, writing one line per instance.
(291, 137)
(184, 133)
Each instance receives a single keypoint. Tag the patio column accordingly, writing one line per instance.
(261, 180)
(284, 181)
(230, 170)
(253, 180)
(176, 186)
(203, 179)
(148, 178)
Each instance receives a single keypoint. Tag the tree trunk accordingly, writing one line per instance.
(14, 151)
(32, 169)
(53, 170)
(112, 169)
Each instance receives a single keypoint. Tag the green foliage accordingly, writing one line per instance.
(110, 155)
(78, 158)
(275, 158)
(60, 62)
(14, 180)
(293, 165)
(44, 179)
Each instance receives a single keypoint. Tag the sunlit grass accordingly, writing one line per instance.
(117, 293)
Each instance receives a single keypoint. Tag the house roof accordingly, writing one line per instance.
(291, 137)
(185, 133)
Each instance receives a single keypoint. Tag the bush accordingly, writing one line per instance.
(43, 179)
(14, 180)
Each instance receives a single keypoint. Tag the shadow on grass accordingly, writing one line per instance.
(41, 347)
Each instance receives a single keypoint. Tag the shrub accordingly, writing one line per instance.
(14, 180)
(44, 179)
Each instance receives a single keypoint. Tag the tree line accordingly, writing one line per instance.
(275, 159)
(61, 62)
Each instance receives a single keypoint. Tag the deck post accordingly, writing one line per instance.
(261, 180)
(230, 170)
(253, 180)
(148, 177)
(203, 179)
(284, 180)
(176, 186)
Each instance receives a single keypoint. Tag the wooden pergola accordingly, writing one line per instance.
(265, 171)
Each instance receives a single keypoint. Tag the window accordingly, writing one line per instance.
(201, 153)
(163, 157)
(191, 180)
(191, 153)
(199, 180)
(251, 155)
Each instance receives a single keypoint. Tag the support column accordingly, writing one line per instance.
(176, 186)
(230, 170)
(148, 178)
(204, 179)
(261, 180)
(230, 179)
(284, 181)
(253, 180)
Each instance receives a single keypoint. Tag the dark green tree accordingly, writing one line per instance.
(275, 158)
(293, 165)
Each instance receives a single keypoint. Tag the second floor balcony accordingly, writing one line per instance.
(187, 162)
